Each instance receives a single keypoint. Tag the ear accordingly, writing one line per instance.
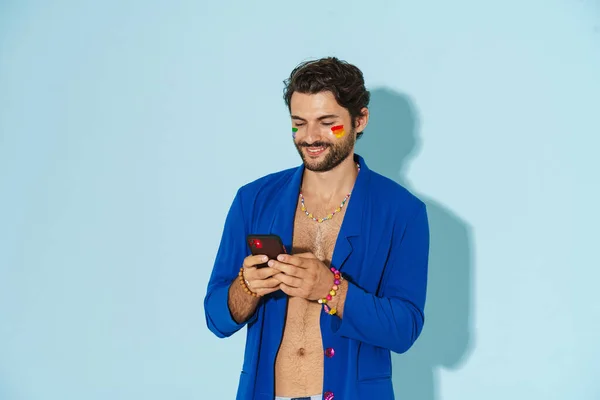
(362, 120)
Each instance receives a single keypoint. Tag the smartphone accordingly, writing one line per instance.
(269, 245)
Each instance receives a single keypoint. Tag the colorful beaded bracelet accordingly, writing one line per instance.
(337, 276)
(244, 284)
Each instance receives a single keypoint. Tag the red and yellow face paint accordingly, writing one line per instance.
(338, 131)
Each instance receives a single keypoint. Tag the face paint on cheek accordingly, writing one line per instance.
(338, 131)
(294, 130)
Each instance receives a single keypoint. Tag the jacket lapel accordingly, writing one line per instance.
(283, 218)
(352, 224)
(283, 225)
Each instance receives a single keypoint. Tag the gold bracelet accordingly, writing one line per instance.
(244, 285)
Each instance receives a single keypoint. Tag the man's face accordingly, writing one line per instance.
(314, 115)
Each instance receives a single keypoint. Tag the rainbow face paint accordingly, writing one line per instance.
(294, 130)
(338, 131)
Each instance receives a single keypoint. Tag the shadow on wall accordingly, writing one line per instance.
(390, 141)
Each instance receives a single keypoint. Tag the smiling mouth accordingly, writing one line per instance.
(315, 150)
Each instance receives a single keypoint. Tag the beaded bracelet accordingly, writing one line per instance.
(337, 276)
(244, 283)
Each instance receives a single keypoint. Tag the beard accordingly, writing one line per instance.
(337, 152)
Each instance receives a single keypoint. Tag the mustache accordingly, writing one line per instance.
(315, 144)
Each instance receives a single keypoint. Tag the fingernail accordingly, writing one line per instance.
(280, 257)
(265, 258)
(270, 263)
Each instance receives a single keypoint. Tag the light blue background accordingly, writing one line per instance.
(127, 126)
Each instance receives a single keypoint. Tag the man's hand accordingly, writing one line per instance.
(303, 275)
(261, 281)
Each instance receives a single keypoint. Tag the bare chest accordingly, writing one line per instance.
(299, 363)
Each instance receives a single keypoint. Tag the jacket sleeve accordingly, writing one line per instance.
(394, 320)
(230, 257)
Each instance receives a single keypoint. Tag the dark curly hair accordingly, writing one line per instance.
(344, 80)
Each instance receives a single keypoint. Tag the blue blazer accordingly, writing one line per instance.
(382, 250)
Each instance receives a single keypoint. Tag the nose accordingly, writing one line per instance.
(313, 133)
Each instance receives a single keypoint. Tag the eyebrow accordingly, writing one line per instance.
(319, 119)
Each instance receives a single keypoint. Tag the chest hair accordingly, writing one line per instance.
(314, 237)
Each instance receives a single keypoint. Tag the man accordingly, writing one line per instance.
(322, 320)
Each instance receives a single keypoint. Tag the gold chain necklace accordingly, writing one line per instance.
(328, 216)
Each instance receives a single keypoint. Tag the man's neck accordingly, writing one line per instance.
(326, 185)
